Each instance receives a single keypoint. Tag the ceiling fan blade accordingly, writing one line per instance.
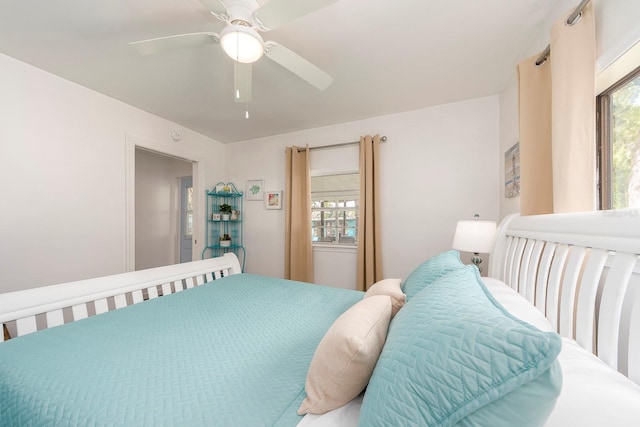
(278, 12)
(161, 44)
(217, 8)
(298, 65)
(241, 82)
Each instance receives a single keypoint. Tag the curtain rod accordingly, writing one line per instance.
(571, 20)
(342, 144)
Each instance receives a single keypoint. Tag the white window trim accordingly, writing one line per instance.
(334, 247)
(625, 64)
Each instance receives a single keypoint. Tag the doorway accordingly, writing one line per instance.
(162, 225)
(197, 160)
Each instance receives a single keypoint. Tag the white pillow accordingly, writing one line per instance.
(392, 288)
(345, 358)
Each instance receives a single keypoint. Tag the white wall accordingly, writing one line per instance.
(62, 175)
(617, 30)
(158, 189)
(439, 165)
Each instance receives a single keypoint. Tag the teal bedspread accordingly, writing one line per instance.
(234, 352)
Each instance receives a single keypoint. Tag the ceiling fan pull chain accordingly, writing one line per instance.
(235, 70)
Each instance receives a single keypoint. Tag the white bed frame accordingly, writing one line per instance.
(28, 311)
(580, 270)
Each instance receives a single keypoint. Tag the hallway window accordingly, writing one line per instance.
(188, 224)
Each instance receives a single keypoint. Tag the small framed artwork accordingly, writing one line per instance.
(255, 189)
(235, 215)
(273, 200)
(215, 216)
(512, 171)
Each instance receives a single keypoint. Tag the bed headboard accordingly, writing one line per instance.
(33, 309)
(581, 271)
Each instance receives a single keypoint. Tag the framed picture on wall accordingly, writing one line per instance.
(255, 189)
(512, 171)
(273, 200)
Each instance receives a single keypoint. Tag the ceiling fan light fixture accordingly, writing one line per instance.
(242, 43)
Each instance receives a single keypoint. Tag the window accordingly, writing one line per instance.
(619, 144)
(188, 224)
(334, 208)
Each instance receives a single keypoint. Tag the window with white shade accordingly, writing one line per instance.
(334, 208)
(335, 195)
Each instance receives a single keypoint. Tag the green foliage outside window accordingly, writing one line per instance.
(625, 147)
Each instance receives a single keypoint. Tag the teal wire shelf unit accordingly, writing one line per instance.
(224, 222)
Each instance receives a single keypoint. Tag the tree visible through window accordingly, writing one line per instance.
(619, 122)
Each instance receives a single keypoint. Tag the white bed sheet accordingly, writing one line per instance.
(344, 416)
(592, 394)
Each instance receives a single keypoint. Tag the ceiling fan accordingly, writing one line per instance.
(241, 41)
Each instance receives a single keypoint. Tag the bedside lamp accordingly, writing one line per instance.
(474, 236)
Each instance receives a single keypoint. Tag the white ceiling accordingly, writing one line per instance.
(385, 56)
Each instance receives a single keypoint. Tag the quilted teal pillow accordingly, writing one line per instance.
(455, 355)
(431, 270)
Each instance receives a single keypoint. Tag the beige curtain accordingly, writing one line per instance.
(298, 262)
(536, 176)
(369, 223)
(573, 50)
(569, 95)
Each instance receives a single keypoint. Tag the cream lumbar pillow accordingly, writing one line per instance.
(345, 358)
(392, 288)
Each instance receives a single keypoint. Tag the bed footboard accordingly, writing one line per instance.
(581, 271)
(27, 311)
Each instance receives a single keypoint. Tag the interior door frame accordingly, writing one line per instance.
(131, 143)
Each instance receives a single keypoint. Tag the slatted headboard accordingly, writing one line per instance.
(582, 272)
(30, 310)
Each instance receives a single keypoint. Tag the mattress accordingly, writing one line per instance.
(229, 353)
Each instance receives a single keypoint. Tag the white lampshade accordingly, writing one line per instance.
(474, 236)
(241, 43)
